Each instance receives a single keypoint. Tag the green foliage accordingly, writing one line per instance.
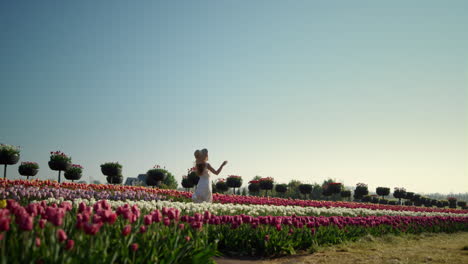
(169, 182)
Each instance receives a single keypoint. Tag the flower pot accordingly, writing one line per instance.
(111, 171)
(59, 165)
(155, 176)
(186, 183)
(9, 159)
(27, 171)
(72, 175)
(193, 177)
(266, 185)
(254, 188)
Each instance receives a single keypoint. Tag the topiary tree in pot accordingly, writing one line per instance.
(74, 172)
(305, 189)
(281, 188)
(399, 193)
(155, 175)
(221, 186)
(266, 184)
(9, 155)
(28, 169)
(360, 191)
(382, 191)
(113, 171)
(254, 187)
(234, 181)
(59, 162)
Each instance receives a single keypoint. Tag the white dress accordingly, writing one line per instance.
(203, 192)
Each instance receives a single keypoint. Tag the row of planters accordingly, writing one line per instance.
(221, 185)
(59, 161)
(10, 155)
(58, 233)
(411, 198)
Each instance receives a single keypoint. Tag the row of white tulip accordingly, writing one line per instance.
(255, 210)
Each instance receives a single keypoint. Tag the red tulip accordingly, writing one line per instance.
(70, 244)
(126, 230)
(38, 242)
(61, 235)
(134, 247)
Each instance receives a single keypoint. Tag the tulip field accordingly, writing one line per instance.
(48, 222)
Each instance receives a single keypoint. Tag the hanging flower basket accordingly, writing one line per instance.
(193, 177)
(9, 154)
(221, 186)
(28, 169)
(155, 176)
(254, 186)
(74, 172)
(111, 169)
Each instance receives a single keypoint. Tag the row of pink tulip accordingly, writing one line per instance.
(222, 198)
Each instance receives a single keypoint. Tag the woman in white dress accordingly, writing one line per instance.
(203, 192)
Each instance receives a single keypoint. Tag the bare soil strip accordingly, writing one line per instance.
(409, 249)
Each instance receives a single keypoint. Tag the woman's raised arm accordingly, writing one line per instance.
(217, 171)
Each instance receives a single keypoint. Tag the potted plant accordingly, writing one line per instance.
(305, 189)
(186, 183)
(221, 185)
(399, 193)
(9, 155)
(281, 188)
(360, 191)
(59, 162)
(111, 169)
(155, 175)
(193, 176)
(28, 169)
(234, 181)
(383, 191)
(74, 172)
(266, 184)
(254, 187)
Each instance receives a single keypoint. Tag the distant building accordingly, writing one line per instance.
(140, 180)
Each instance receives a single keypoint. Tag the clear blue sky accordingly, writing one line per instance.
(359, 91)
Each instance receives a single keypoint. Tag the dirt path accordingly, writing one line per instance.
(411, 249)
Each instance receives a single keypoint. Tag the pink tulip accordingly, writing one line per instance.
(126, 230)
(143, 229)
(61, 235)
(187, 238)
(70, 244)
(148, 219)
(134, 247)
(38, 242)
